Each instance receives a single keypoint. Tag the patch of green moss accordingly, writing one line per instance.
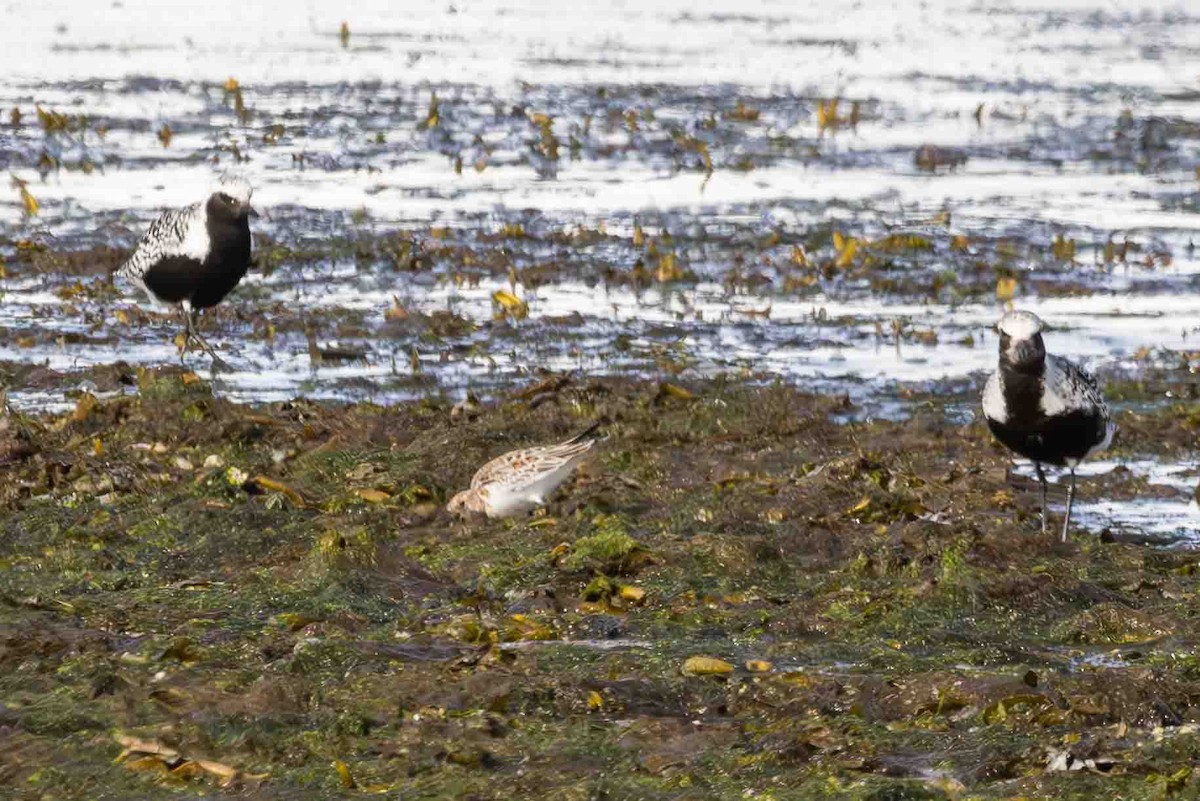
(607, 549)
(438, 658)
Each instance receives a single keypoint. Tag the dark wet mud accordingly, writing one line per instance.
(740, 591)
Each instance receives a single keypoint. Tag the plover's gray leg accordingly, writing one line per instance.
(1042, 478)
(1070, 500)
(192, 333)
(187, 332)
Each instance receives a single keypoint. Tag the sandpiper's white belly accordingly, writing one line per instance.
(503, 502)
(506, 500)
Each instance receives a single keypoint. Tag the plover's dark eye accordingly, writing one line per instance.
(226, 198)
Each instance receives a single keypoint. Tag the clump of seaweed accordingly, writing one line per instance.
(273, 598)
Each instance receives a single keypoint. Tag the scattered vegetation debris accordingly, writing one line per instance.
(305, 584)
(932, 158)
(706, 666)
(29, 204)
(169, 764)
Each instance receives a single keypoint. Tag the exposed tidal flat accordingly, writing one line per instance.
(764, 242)
(741, 590)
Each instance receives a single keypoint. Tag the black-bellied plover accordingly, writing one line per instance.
(1044, 407)
(194, 256)
(522, 480)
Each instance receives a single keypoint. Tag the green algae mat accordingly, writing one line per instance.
(739, 595)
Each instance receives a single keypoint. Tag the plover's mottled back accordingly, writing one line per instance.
(522, 480)
(1044, 407)
(194, 256)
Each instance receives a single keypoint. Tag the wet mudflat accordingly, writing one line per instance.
(766, 242)
(739, 592)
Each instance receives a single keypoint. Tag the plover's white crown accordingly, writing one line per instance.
(236, 187)
(1021, 325)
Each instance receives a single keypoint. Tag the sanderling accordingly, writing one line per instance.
(1044, 407)
(196, 255)
(521, 480)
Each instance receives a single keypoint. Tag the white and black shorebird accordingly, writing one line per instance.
(194, 256)
(1044, 407)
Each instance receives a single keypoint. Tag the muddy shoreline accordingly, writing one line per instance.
(766, 242)
(275, 590)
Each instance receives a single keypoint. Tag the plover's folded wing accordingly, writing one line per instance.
(1069, 388)
(177, 232)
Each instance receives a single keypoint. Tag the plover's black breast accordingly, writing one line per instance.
(227, 262)
(1056, 416)
(173, 279)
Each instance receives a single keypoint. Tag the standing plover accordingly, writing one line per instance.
(522, 480)
(195, 256)
(1042, 406)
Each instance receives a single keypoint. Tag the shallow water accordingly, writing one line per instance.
(1167, 517)
(1062, 119)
